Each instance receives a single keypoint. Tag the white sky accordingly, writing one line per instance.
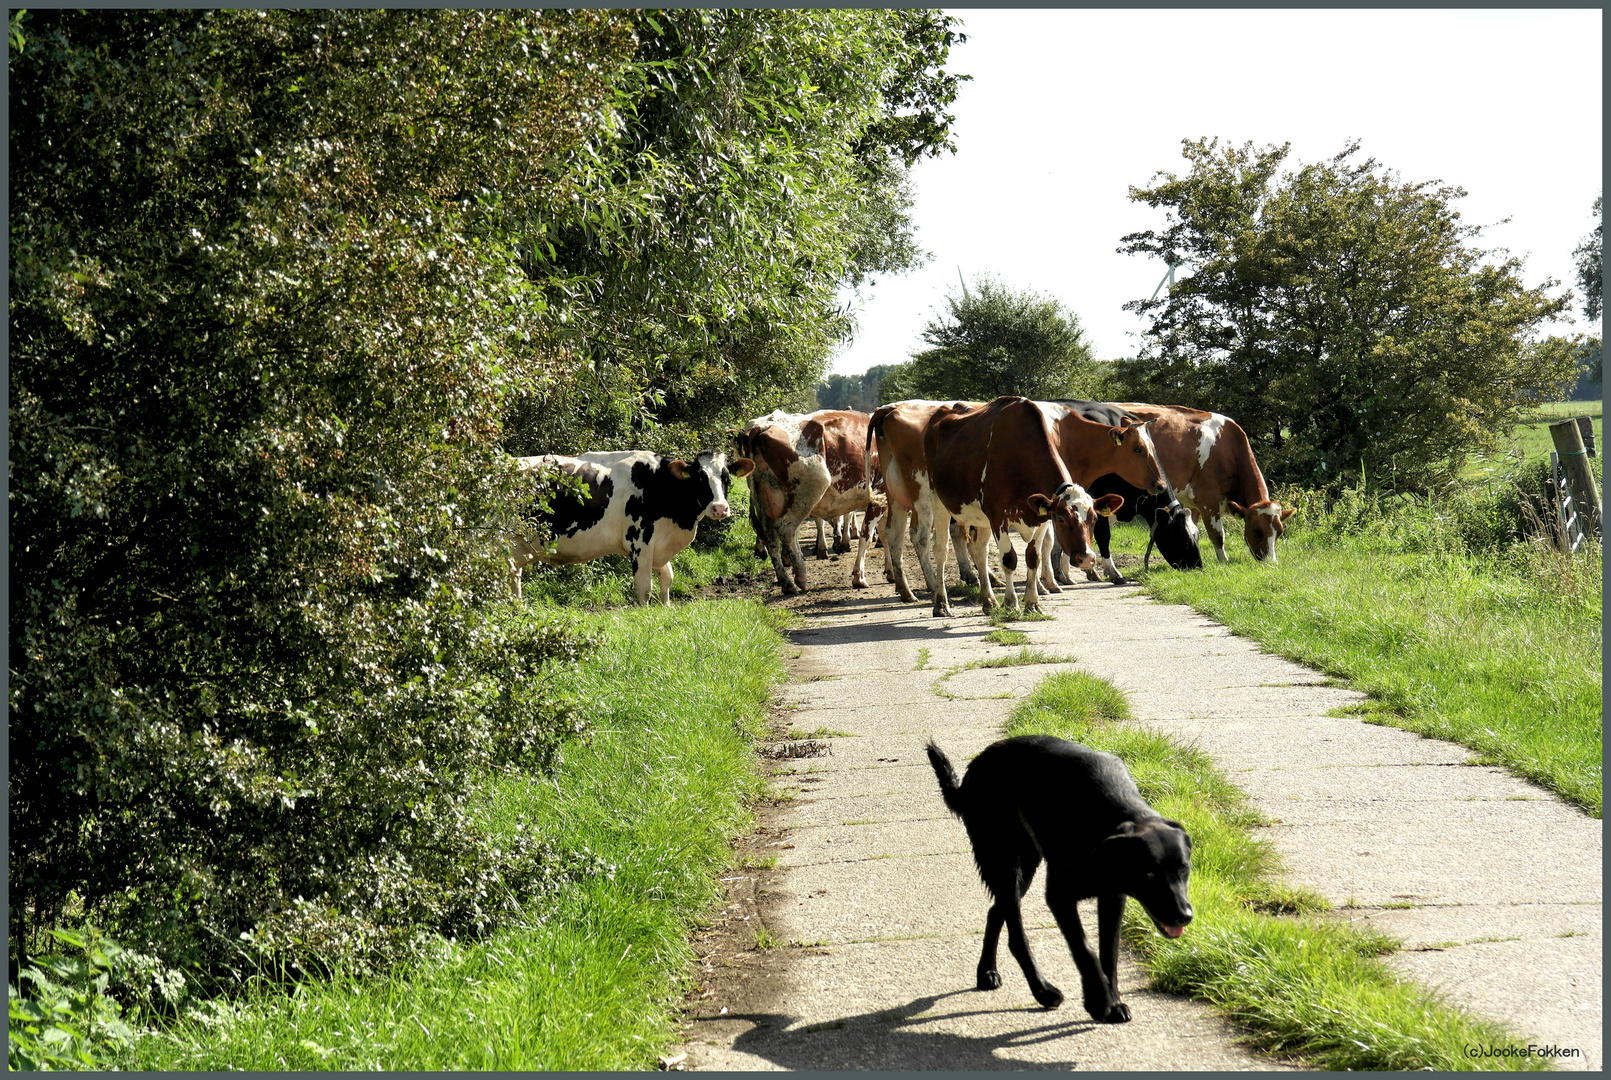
(1068, 109)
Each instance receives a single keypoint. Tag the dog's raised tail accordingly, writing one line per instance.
(950, 790)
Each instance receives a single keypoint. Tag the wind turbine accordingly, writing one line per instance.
(1172, 260)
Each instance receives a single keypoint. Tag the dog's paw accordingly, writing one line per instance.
(1049, 996)
(989, 980)
(1118, 1013)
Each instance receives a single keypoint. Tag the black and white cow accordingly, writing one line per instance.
(636, 503)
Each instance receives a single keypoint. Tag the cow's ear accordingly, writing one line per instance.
(679, 468)
(1118, 436)
(1288, 512)
(1041, 504)
(1108, 505)
(1237, 508)
(741, 467)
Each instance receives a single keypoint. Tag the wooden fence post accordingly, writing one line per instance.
(1568, 439)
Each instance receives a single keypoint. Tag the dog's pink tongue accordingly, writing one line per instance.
(1174, 931)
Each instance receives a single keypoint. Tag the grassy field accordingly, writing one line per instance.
(591, 979)
(1452, 647)
(1494, 645)
(1531, 439)
(1301, 985)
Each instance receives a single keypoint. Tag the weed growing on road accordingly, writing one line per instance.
(1023, 656)
(1301, 985)
(1003, 636)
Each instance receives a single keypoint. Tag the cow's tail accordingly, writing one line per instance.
(950, 790)
(875, 426)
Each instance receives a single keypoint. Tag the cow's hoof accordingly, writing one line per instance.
(1092, 575)
(858, 583)
(907, 597)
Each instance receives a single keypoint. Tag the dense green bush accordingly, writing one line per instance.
(285, 288)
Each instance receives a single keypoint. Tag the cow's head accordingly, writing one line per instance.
(1263, 524)
(1175, 535)
(711, 473)
(1073, 516)
(1137, 460)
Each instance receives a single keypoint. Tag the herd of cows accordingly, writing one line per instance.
(1051, 471)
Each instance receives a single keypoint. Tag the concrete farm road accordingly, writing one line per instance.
(851, 944)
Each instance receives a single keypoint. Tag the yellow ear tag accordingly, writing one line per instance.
(1041, 510)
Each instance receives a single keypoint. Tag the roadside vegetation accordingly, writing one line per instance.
(589, 977)
(1448, 608)
(1303, 986)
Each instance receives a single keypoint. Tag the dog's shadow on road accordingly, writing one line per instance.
(902, 1038)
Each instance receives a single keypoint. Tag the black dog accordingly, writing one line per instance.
(1037, 797)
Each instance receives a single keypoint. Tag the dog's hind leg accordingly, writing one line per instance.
(1007, 863)
(1100, 999)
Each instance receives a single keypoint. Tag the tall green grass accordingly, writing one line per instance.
(1498, 650)
(1300, 985)
(589, 979)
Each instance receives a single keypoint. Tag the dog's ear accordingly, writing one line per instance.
(1182, 828)
(1126, 828)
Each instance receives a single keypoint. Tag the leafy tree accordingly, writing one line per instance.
(1344, 317)
(284, 288)
(996, 340)
(1590, 265)
(760, 164)
(858, 392)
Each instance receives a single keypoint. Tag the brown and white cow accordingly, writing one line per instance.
(808, 465)
(1213, 471)
(898, 430)
(633, 503)
(1088, 449)
(995, 468)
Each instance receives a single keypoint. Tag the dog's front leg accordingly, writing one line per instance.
(1100, 1000)
(1109, 914)
(989, 977)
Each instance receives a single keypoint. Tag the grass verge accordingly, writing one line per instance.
(590, 979)
(1460, 646)
(1300, 985)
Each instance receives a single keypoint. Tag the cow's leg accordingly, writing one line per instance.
(923, 541)
(514, 580)
(663, 572)
(822, 547)
(1103, 534)
(979, 548)
(965, 567)
(772, 533)
(1060, 566)
(841, 534)
(858, 574)
(1044, 551)
(789, 532)
(942, 603)
(1216, 536)
(642, 571)
(894, 541)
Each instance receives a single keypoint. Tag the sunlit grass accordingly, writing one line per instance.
(591, 977)
(1301, 985)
